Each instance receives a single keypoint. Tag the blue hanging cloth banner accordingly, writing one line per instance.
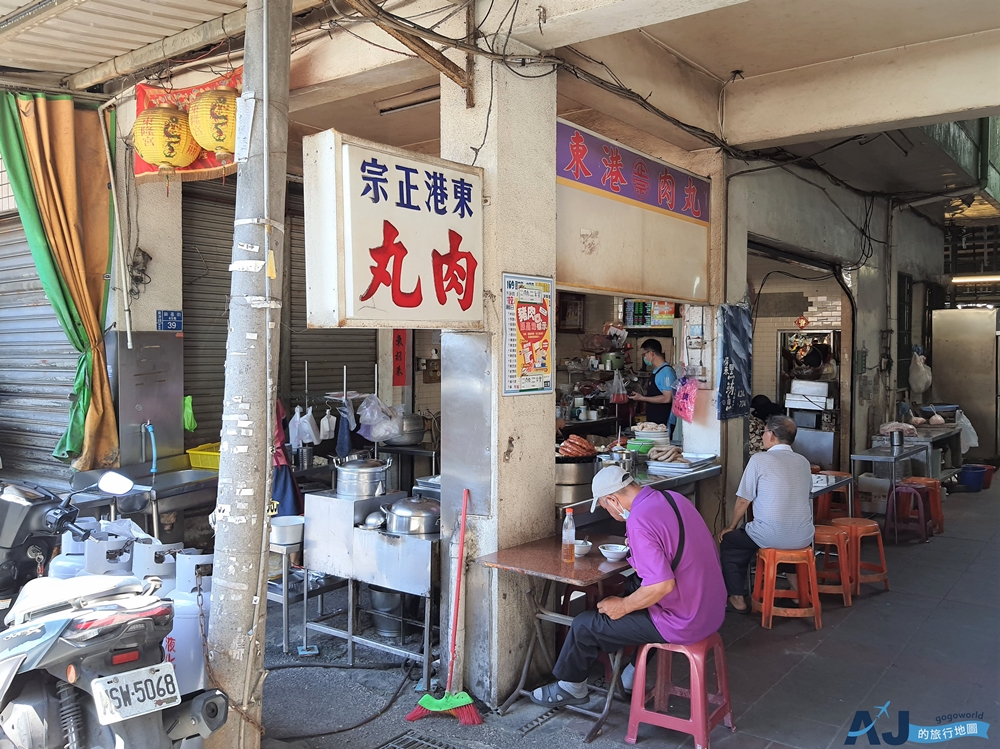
(736, 345)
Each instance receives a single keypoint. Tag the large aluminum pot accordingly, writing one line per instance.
(413, 431)
(413, 515)
(575, 472)
(363, 478)
(568, 495)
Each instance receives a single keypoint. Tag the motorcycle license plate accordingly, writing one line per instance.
(134, 693)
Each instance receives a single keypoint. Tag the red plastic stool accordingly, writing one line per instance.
(827, 536)
(858, 528)
(827, 508)
(899, 513)
(764, 591)
(703, 718)
(933, 487)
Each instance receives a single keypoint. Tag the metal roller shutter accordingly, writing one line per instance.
(37, 371)
(209, 209)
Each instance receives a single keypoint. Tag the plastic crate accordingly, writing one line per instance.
(205, 456)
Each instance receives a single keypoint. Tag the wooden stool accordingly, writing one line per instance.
(827, 509)
(702, 721)
(899, 513)
(858, 528)
(827, 536)
(764, 591)
(933, 487)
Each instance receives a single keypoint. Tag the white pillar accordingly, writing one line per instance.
(499, 447)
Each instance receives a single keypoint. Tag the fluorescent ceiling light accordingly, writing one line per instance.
(990, 278)
(410, 100)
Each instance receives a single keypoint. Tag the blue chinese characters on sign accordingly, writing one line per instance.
(373, 175)
(170, 319)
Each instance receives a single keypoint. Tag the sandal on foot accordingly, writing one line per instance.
(554, 695)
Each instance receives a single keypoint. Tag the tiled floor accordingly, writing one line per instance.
(931, 646)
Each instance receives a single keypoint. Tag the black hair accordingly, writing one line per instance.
(782, 428)
(651, 344)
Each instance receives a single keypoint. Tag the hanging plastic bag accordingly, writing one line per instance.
(189, 423)
(920, 374)
(328, 426)
(617, 389)
(385, 422)
(308, 431)
(969, 437)
(294, 437)
(684, 399)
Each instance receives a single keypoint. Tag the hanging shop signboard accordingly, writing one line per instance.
(627, 222)
(527, 334)
(393, 238)
(736, 344)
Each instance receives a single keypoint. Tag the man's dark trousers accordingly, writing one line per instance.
(735, 553)
(593, 633)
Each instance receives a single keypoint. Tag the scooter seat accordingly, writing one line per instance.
(46, 595)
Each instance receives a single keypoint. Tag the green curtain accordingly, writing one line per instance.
(14, 155)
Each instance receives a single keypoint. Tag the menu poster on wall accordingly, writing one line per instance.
(736, 342)
(527, 334)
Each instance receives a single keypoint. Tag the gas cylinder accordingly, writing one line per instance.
(184, 643)
(150, 559)
(106, 554)
(71, 560)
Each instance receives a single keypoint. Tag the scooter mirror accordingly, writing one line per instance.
(115, 483)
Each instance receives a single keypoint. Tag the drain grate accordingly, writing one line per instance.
(411, 740)
(539, 721)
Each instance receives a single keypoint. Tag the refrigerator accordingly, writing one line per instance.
(965, 371)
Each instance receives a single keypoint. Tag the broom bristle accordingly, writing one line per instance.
(467, 715)
(417, 713)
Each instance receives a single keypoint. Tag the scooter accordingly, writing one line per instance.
(82, 663)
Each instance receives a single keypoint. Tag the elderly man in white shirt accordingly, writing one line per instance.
(778, 483)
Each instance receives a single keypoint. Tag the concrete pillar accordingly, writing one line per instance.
(499, 447)
(156, 221)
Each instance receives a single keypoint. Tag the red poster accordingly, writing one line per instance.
(399, 361)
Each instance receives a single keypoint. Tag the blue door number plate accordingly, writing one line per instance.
(169, 319)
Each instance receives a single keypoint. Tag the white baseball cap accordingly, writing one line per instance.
(608, 481)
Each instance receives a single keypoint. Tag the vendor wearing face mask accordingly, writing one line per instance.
(677, 593)
(660, 393)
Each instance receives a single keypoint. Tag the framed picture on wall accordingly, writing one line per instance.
(570, 311)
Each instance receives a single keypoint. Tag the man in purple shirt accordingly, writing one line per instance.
(677, 594)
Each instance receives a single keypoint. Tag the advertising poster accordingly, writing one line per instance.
(527, 310)
(736, 342)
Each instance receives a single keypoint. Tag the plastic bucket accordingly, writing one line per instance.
(972, 477)
(988, 478)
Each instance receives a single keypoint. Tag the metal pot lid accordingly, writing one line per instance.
(416, 507)
(362, 466)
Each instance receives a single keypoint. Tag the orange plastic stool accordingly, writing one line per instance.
(933, 487)
(827, 509)
(764, 591)
(827, 536)
(703, 717)
(858, 528)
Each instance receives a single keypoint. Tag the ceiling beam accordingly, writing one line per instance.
(28, 16)
(921, 84)
(203, 35)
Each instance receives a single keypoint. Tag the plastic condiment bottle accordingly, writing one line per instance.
(569, 537)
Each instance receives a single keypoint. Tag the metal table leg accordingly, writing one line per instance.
(536, 638)
(616, 670)
(427, 644)
(351, 599)
(284, 603)
(305, 609)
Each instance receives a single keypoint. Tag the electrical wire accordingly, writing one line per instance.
(374, 716)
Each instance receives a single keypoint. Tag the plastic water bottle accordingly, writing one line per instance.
(569, 537)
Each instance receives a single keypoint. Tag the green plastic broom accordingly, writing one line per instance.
(458, 704)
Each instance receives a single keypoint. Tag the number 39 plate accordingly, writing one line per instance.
(135, 693)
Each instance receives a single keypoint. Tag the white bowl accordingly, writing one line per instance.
(582, 548)
(614, 552)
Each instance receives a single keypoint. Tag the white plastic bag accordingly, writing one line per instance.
(920, 374)
(293, 429)
(970, 438)
(384, 422)
(308, 431)
(328, 426)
